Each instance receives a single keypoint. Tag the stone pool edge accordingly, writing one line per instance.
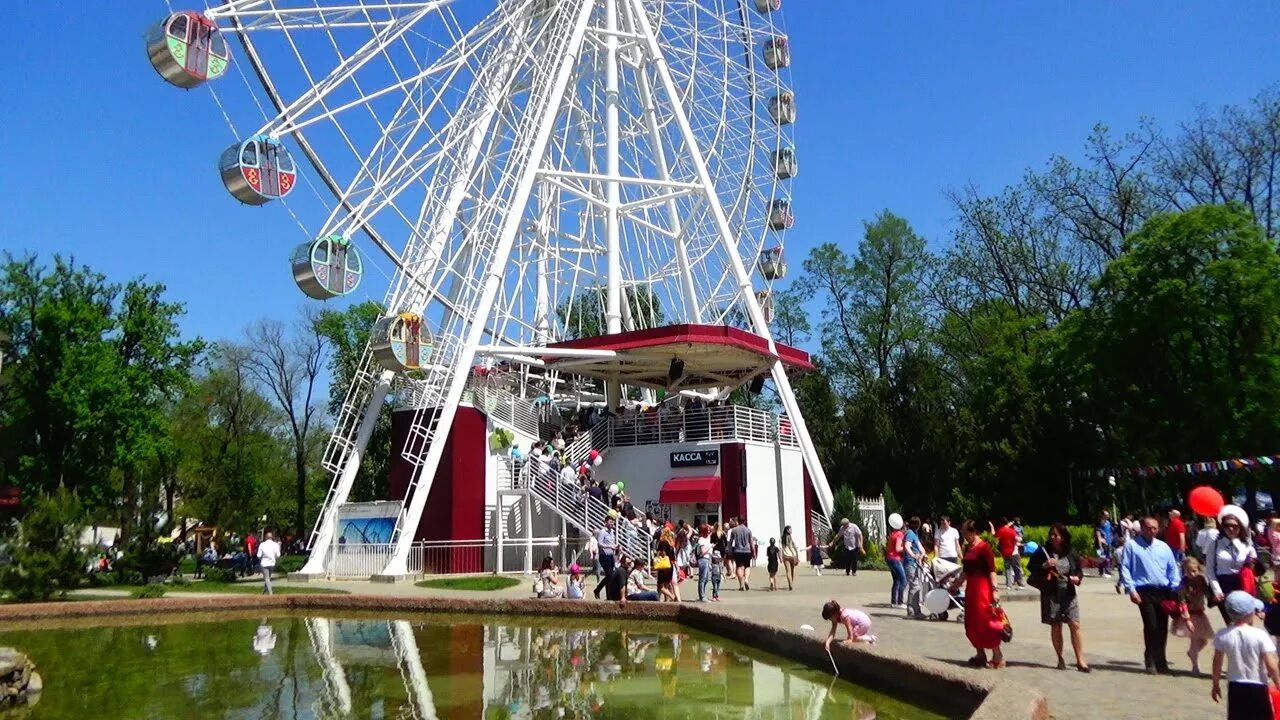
(930, 682)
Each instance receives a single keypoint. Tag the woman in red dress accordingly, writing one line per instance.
(981, 624)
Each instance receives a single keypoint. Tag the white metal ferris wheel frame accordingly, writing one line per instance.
(412, 290)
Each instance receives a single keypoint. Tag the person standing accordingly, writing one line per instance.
(1250, 656)
(981, 598)
(607, 547)
(1150, 575)
(741, 544)
(704, 551)
(947, 541)
(1175, 535)
(893, 553)
(1104, 537)
(790, 556)
(850, 535)
(1231, 557)
(268, 554)
(913, 566)
(1056, 573)
(1007, 540)
(251, 550)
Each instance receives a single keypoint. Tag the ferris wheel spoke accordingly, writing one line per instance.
(252, 16)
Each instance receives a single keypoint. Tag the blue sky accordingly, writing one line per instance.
(898, 102)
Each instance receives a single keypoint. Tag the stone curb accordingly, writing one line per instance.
(928, 682)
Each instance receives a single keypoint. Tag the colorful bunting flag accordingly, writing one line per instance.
(1193, 468)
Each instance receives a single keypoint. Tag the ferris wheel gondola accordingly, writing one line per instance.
(257, 170)
(327, 267)
(187, 49)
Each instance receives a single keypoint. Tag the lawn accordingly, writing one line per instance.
(480, 583)
(249, 588)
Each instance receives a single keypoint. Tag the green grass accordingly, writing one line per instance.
(480, 583)
(249, 588)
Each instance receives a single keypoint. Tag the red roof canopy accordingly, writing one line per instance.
(713, 356)
(689, 490)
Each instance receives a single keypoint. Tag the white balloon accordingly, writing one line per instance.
(937, 601)
(613, 489)
(895, 521)
(599, 459)
(568, 474)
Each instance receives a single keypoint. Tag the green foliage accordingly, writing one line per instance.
(150, 590)
(845, 505)
(583, 315)
(1082, 540)
(347, 334)
(290, 563)
(216, 575)
(481, 583)
(47, 559)
(91, 368)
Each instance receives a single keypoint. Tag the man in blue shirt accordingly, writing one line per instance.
(1150, 574)
(1104, 535)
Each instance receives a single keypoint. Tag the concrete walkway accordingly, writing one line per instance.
(1117, 688)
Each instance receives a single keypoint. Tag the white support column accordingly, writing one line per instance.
(542, 302)
(316, 564)
(493, 279)
(499, 529)
(528, 533)
(612, 190)
(410, 659)
(746, 292)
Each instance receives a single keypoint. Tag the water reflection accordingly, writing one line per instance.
(365, 668)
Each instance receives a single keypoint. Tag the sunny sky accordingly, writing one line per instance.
(898, 102)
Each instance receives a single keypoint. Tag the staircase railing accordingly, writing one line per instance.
(581, 510)
(504, 407)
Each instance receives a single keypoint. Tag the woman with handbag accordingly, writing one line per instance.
(790, 556)
(1056, 572)
(983, 618)
(1230, 559)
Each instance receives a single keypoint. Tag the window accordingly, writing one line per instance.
(179, 27)
(249, 154)
(218, 46)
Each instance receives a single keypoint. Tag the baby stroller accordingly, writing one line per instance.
(940, 574)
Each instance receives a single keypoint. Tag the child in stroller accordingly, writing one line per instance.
(938, 574)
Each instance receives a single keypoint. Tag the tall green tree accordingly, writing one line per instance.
(347, 334)
(583, 314)
(91, 369)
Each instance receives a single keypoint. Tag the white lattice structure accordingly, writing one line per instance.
(505, 157)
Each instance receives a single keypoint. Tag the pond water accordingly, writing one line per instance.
(366, 666)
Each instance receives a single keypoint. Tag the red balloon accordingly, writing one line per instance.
(1205, 500)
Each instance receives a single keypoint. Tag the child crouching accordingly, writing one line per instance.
(855, 621)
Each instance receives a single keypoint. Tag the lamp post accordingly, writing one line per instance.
(1111, 480)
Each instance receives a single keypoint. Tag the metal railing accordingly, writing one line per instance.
(503, 407)
(723, 422)
(434, 557)
(821, 527)
(581, 510)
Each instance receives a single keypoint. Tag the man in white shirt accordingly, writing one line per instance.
(268, 553)
(948, 541)
(1250, 656)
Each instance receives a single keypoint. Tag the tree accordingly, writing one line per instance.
(231, 454)
(286, 366)
(347, 335)
(92, 367)
(46, 555)
(583, 314)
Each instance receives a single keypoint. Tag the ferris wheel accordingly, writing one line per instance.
(516, 169)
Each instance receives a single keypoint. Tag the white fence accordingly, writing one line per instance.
(442, 557)
(722, 422)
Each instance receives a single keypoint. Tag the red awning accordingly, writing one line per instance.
(689, 490)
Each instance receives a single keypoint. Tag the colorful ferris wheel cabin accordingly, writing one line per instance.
(327, 267)
(768, 6)
(784, 163)
(771, 264)
(782, 108)
(777, 53)
(765, 298)
(780, 217)
(401, 342)
(187, 49)
(257, 170)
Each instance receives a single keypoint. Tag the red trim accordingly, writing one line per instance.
(691, 334)
(689, 490)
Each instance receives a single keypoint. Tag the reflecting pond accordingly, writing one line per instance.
(366, 666)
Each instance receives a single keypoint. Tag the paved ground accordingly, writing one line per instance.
(1117, 687)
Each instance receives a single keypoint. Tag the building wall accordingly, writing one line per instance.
(775, 492)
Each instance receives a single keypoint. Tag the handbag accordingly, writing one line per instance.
(1248, 581)
(1170, 607)
(1002, 618)
(538, 587)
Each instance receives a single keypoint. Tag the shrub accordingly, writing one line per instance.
(150, 590)
(143, 555)
(1081, 538)
(219, 575)
(103, 579)
(290, 563)
(46, 555)
(178, 580)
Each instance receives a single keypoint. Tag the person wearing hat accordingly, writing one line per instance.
(1229, 560)
(1250, 656)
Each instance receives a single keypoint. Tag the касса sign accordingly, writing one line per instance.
(695, 458)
